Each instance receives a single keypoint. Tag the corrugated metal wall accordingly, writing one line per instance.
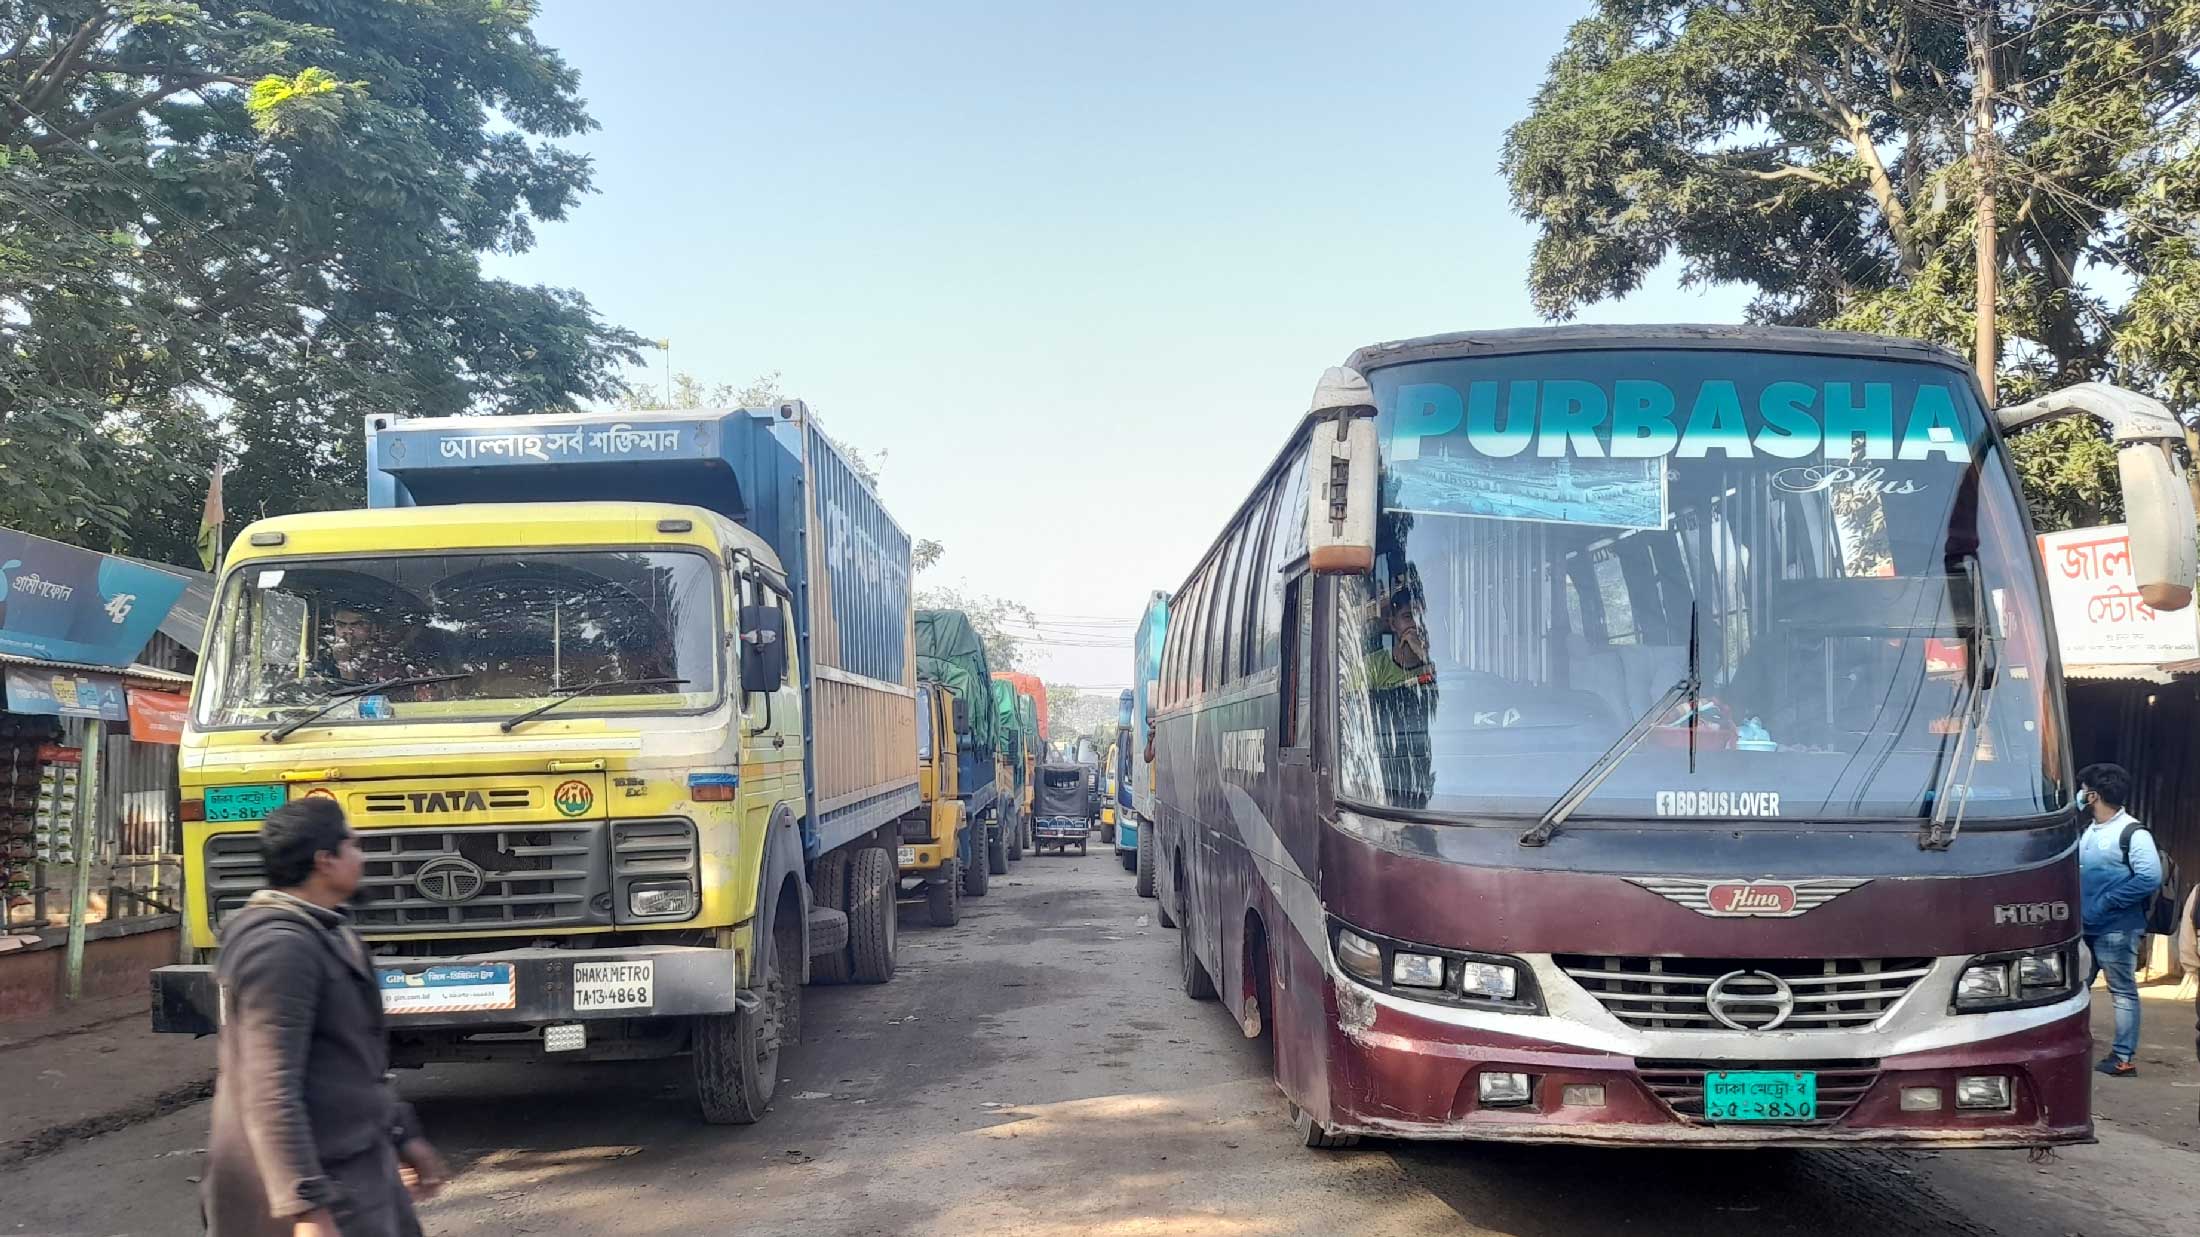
(866, 739)
(861, 574)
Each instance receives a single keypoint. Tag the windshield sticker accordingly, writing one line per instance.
(1868, 482)
(1735, 803)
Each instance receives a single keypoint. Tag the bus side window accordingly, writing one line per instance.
(1298, 640)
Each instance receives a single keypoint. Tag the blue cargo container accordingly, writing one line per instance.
(774, 471)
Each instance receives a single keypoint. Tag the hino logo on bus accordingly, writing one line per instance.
(2030, 914)
(1739, 898)
(1750, 1000)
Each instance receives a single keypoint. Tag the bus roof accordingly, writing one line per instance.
(1666, 335)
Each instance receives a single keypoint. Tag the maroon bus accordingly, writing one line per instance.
(1645, 736)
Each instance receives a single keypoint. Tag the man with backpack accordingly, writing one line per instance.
(2119, 876)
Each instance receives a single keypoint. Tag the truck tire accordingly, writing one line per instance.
(996, 849)
(943, 894)
(977, 877)
(872, 911)
(831, 891)
(1128, 858)
(1013, 830)
(1107, 833)
(736, 1056)
(1145, 862)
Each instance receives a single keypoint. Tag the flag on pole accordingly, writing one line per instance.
(210, 523)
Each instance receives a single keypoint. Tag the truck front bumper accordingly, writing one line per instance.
(519, 987)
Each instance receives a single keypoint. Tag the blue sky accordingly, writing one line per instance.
(1073, 268)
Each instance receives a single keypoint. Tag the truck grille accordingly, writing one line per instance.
(543, 876)
(1679, 1084)
(1673, 994)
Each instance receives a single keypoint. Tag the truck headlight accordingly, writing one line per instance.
(2016, 980)
(661, 900)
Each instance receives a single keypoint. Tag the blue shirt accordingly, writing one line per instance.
(2113, 894)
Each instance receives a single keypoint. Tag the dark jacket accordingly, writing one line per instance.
(303, 1114)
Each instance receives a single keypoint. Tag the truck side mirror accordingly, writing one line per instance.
(1341, 468)
(962, 716)
(763, 648)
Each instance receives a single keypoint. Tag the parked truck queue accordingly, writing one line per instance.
(637, 725)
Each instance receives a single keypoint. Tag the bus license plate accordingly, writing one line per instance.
(1760, 1095)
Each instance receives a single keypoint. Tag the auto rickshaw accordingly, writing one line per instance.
(1061, 808)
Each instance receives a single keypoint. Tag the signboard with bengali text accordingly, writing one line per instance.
(2100, 618)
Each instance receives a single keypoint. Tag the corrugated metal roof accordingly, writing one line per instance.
(133, 673)
(2122, 674)
(186, 620)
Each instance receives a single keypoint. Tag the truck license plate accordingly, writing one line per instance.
(614, 985)
(1760, 1095)
(907, 857)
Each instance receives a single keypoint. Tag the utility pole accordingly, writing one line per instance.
(1986, 346)
(665, 346)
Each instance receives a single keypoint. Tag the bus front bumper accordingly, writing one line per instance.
(520, 987)
(1402, 1076)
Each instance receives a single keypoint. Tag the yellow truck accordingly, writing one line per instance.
(626, 771)
(953, 845)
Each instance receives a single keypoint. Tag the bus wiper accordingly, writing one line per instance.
(353, 692)
(1689, 688)
(1979, 666)
(567, 695)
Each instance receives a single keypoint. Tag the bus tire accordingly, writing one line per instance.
(872, 912)
(943, 895)
(735, 1056)
(831, 891)
(1198, 984)
(1145, 866)
(1315, 1137)
(996, 849)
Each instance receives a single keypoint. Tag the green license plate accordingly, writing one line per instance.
(1760, 1095)
(229, 803)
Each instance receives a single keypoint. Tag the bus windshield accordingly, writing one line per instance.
(635, 630)
(1562, 531)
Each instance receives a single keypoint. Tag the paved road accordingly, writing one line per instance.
(1036, 1073)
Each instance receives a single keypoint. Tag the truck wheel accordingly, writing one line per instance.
(943, 894)
(872, 912)
(996, 851)
(1198, 984)
(1013, 830)
(978, 876)
(1128, 858)
(831, 891)
(1145, 867)
(1107, 834)
(736, 1056)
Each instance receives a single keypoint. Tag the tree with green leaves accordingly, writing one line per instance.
(237, 228)
(990, 616)
(1823, 153)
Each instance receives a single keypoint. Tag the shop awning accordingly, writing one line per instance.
(135, 674)
(2160, 675)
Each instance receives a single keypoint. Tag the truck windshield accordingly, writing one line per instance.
(1551, 522)
(516, 628)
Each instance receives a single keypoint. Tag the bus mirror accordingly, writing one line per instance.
(2158, 509)
(1341, 476)
(763, 648)
(2158, 501)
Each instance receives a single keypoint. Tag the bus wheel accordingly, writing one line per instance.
(996, 849)
(871, 915)
(943, 895)
(1198, 984)
(1145, 869)
(736, 1056)
(831, 892)
(977, 875)
(1314, 1136)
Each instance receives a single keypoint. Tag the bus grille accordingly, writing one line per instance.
(541, 876)
(1679, 1085)
(1672, 994)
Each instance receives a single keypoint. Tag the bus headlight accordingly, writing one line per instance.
(1427, 973)
(2016, 980)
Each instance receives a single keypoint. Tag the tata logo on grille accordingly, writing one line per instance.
(573, 798)
(1753, 899)
(428, 802)
(448, 879)
(1742, 898)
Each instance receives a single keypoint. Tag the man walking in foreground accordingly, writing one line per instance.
(308, 1135)
(2118, 872)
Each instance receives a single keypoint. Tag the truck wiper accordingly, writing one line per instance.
(1979, 666)
(1689, 688)
(354, 691)
(567, 695)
